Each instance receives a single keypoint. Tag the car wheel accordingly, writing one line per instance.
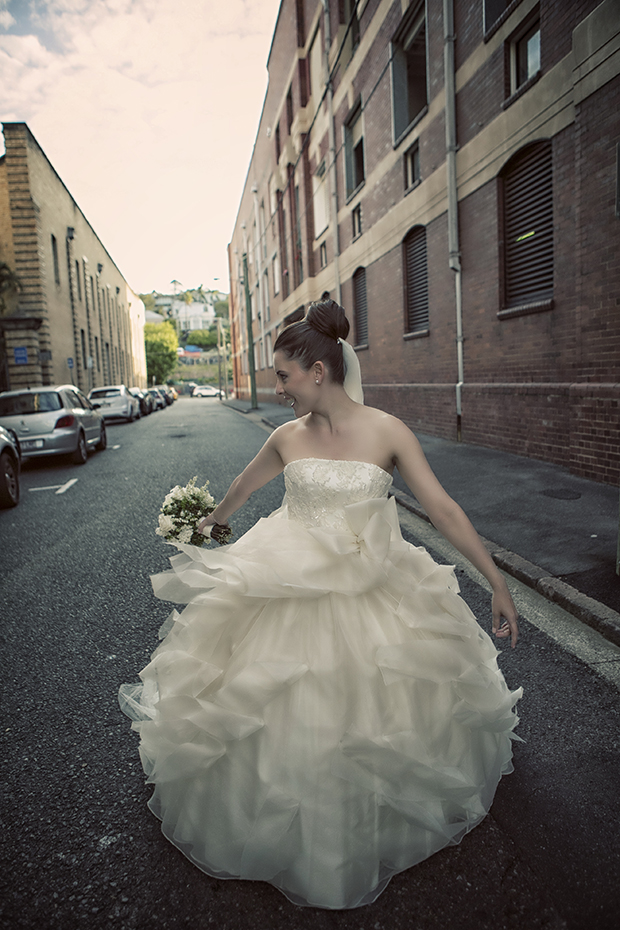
(9, 481)
(103, 439)
(80, 456)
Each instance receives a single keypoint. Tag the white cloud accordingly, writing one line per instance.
(149, 115)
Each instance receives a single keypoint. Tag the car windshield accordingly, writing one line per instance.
(32, 402)
(105, 392)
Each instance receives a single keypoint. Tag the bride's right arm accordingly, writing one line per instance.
(265, 466)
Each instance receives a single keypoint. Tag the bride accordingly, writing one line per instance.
(326, 711)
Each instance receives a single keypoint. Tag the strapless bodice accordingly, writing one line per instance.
(318, 490)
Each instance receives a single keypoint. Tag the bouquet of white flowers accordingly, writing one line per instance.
(181, 512)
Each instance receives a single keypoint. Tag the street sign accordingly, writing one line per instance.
(69, 363)
(20, 355)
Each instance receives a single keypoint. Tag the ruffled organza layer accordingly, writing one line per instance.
(324, 713)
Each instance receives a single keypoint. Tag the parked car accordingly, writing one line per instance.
(158, 398)
(165, 390)
(206, 390)
(115, 402)
(144, 399)
(53, 421)
(10, 460)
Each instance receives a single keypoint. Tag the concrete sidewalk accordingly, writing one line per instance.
(552, 530)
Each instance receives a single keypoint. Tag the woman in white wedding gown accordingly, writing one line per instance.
(326, 711)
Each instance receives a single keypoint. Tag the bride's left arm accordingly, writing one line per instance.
(452, 522)
(263, 467)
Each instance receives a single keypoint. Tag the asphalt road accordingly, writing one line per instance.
(78, 618)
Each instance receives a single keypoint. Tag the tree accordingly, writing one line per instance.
(205, 338)
(149, 301)
(161, 343)
(221, 308)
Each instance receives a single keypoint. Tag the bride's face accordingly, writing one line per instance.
(294, 384)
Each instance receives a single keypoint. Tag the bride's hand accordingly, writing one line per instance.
(505, 616)
(219, 531)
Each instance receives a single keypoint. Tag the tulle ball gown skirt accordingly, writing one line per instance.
(326, 711)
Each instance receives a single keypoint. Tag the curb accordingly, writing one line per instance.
(590, 611)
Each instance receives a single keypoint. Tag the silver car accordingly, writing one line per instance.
(115, 401)
(53, 421)
(9, 469)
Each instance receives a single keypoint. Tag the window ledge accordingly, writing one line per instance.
(538, 306)
(356, 191)
(361, 347)
(521, 90)
(419, 334)
(358, 236)
(414, 122)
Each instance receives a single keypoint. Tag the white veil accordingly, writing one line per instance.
(352, 373)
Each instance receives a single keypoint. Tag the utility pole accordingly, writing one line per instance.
(248, 317)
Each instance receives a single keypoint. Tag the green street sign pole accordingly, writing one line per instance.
(248, 316)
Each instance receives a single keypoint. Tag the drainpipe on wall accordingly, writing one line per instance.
(453, 206)
(261, 280)
(332, 150)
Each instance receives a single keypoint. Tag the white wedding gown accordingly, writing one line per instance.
(326, 711)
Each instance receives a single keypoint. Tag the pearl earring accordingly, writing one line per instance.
(317, 380)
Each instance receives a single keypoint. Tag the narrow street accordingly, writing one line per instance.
(78, 618)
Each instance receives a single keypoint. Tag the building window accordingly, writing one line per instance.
(412, 167)
(409, 83)
(493, 11)
(527, 201)
(352, 22)
(97, 354)
(77, 279)
(275, 265)
(356, 216)
(416, 281)
(55, 260)
(524, 51)
(320, 194)
(323, 255)
(360, 308)
(269, 344)
(278, 148)
(354, 151)
(83, 342)
(289, 110)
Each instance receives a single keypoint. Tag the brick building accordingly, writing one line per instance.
(455, 185)
(74, 318)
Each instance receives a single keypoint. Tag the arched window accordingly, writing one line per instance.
(527, 202)
(416, 281)
(360, 308)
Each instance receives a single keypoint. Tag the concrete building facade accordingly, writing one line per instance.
(449, 172)
(74, 317)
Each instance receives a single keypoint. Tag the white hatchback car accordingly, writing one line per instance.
(115, 401)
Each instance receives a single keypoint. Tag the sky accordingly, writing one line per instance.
(148, 111)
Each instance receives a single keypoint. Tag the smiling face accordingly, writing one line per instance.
(296, 385)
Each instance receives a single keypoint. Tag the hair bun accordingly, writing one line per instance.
(328, 317)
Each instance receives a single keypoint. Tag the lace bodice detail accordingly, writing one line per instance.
(318, 490)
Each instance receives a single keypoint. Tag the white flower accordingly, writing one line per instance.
(185, 535)
(166, 524)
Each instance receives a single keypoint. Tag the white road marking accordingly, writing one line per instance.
(116, 447)
(66, 486)
(59, 488)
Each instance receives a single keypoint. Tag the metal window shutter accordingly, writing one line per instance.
(528, 227)
(360, 307)
(416, 281)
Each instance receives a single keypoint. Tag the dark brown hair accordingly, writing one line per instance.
(314, 339)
